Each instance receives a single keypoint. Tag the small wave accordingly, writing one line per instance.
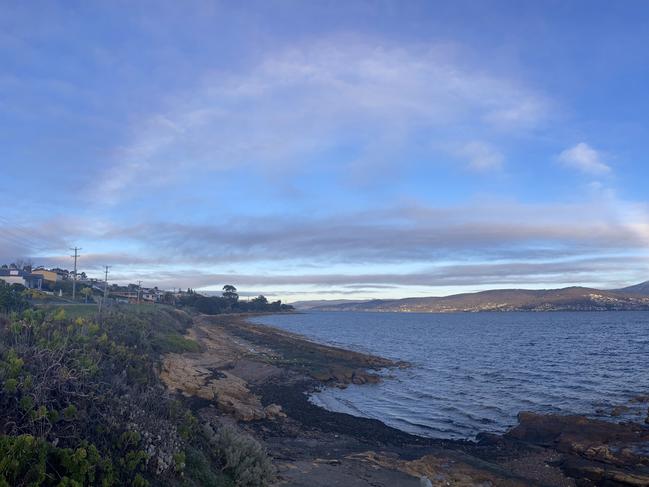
(475, 372)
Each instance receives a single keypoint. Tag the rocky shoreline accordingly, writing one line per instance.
(257, 378)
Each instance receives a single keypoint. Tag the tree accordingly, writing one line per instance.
(230, 293)
(12, 297)
(87, 292)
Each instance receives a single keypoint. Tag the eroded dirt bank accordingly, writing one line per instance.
(257, 376)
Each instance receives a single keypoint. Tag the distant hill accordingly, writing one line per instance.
(642, 288)
(566, 299)
(322, 302)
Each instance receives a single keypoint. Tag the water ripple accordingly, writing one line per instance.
(475, 372)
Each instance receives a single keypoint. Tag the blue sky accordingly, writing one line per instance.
(350, 149)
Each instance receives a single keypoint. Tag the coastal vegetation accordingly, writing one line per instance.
(12, 297)
(82, 404)
(229, 302)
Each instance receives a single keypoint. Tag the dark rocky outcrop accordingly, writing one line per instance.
(599, 452)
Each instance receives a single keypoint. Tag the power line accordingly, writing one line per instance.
(25, 237)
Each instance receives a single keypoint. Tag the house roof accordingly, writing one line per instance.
(12, 272)
(18, 273)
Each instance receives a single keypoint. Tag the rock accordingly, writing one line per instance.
(619, 410)
(229, 392)
(555, 429)
(593, 473)
(489, 439)
(425, 482)
(342, 375)
(601, 451)
(372, 379)
(322, 375)
(274, 411)
(358, 379)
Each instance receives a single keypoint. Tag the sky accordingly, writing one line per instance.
(328, 149)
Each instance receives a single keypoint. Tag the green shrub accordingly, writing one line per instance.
(82, 404)
(244, 458)
(12, 298)
(32, 462)
(174, 343)
(199, 472)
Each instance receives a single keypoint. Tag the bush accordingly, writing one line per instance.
(82, 404)
(30, 461)
(198, 469)
(175, 344)
(244, 458)
(12, 298)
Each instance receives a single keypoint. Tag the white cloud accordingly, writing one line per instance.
(482, 156)
(299, 103)
(584, 158)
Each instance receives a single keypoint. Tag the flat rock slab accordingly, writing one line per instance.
(345, 473)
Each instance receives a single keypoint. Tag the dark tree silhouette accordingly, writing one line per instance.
(230, 293)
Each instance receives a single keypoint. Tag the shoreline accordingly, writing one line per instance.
(259, 377)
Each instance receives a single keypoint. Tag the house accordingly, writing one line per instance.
(48, 276)
(17, 276)
(62, 273)
(151, 295)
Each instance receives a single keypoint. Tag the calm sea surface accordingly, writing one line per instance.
(475, 372)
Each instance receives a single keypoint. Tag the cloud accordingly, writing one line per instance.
(397, 236)
(476, 244)
(494, 274)
(298, 104)
(482, 157)
(584, 158)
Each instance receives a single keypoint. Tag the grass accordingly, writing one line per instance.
(172, 343)
(73, 311)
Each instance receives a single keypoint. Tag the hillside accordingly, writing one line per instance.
(642, 288)
(324, 302)
(566, 299)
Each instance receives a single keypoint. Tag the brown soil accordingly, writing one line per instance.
(258, 377)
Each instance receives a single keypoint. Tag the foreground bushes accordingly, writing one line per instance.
(26, 460)
(244, 458)
(12, 298)
(81, 404)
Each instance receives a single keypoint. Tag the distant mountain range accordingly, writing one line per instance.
(566, 299)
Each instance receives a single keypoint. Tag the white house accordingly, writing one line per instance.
(17, 276)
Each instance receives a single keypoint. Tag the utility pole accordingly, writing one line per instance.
(105, 289)
(139, 290)
(74, 274)
(106, 282)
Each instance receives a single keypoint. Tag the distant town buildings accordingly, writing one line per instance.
(58, 281)
(48, 275)
(22, 277)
